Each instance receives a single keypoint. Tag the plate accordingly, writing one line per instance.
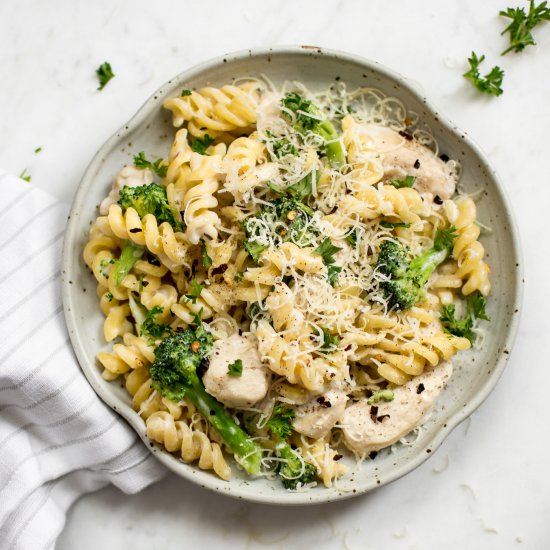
(150, 130)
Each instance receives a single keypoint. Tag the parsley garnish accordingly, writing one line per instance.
(38, 150)
(407, 181)
(153, 329)
(489, 84)
(475, 309)
(235, 369)
(25, 176)
(196, 289)
(109, 296)
(140, 161)
(104, 73)
(185, 92)
(201, 145)
(327, 250)
(380, 395)
(280, 423)
(351, 237)
(330, 342)
(522, 24)
(205, 258)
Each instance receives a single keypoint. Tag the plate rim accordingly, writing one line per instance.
(190, 471)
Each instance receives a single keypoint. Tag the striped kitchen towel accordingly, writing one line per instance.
(58, 440)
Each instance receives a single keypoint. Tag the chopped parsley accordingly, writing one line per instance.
(38, 150)
(196, 289)
(25, 176)
(391, 225)
(522, 24)
(151, 328)
(491, 83)
(380, 395)
(205, 258)
(235, 369)
(475, 309)
(330, 341)
(185, 92)
(327, 250)
(254, 249)
(407, 181)
(109, 296)
(201, 145)
(104, 73)
(140, 161)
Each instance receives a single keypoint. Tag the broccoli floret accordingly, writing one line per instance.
(308, 119)
(149, 199)
(405, 285)
(129, 255)
(294, 471)
(174, 375)
(296, 224)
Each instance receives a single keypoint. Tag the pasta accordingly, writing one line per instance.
(296, 260)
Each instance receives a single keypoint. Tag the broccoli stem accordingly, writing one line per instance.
(129, 255)
(334, 150)
(248, 450)
(423, 266)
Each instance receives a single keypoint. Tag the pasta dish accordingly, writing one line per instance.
(291, 282)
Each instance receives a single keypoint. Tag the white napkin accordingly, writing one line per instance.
(58, 440)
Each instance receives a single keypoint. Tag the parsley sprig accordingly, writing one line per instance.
(104, 73)
(327, 250)
(491, 83)
(522, 24)
(235, 369)
(475, 309)
(140, 161)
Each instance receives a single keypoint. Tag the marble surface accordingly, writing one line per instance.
(487, 486)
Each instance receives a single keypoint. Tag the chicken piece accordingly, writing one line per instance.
(406, 157)
(129, 176)
(318, 416)
(369, 428)
(237, 391)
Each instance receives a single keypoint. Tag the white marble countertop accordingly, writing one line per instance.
(487, 486)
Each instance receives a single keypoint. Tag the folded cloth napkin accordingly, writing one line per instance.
(58, 440)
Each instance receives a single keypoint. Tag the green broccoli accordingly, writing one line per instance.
(129, 255)
(308, 119)
(292, 469)
(405, 284)
(174, 375)
(150, 199)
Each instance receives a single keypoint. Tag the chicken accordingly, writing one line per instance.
(369, 428)
(237, 391)
(404, 156)
(318, 416)
(129, 176)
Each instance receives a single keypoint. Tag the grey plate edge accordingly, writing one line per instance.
(190, 472)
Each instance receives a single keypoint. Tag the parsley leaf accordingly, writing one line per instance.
(352, 236)
(201, 145)
(489, 84)
(104, 73)
(140, 161)
(303, 188)
(408, 181)
(151, 328)
(38, 150)
(236, 368)
(205, 258)
(330, 342)
(380, 395)
(25, 176)
(522, 24)
(196, 289)
(476, 304)
(185, 92)
(475, 309)
(254, 249)
(280, 423)
(327, 250)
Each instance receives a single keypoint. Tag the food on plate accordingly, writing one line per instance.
(292, 281)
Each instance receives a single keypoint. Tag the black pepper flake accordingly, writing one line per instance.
(145, 283)
(373, 455)
(438, 200)
(420, 388)
(417, 164)
(153, 260)
(338, 457)
(382, 417)
(325, 403)
(374, 413)
(220, 269)
(136, 230)
(444, 157)
(406, 135)
(370, 251)
(348, 347)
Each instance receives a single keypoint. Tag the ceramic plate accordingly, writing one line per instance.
(476, 372)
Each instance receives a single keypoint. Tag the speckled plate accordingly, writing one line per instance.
(476, 372)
